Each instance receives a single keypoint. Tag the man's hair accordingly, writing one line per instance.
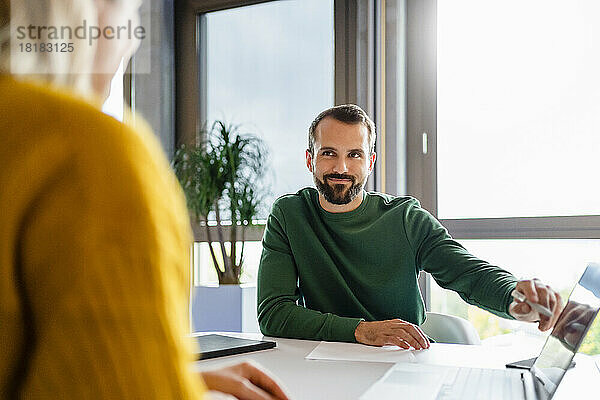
(348, 113)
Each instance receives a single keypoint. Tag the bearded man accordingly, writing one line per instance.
(341, 264)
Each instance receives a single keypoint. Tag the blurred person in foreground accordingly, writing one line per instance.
(94, 233)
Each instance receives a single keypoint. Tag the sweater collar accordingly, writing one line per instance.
(343, 215)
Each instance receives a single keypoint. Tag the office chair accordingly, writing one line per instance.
(444, 328)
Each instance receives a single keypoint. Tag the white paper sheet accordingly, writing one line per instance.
(359, 352)
(437, 354)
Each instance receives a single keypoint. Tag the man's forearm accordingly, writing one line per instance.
(286, 319)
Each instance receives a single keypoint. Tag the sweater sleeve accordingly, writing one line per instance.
(279, 312)
(453, 267)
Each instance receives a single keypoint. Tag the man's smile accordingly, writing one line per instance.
(340, 180)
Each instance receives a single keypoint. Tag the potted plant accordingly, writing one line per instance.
(222, 176)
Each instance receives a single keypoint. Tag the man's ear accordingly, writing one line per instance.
(372, 159)
(309, 160)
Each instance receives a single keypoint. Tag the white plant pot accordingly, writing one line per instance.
(225, 308)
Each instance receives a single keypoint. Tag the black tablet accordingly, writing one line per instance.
(212, 346)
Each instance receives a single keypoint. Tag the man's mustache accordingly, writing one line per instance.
(340, 176)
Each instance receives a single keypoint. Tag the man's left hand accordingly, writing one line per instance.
(536, 292)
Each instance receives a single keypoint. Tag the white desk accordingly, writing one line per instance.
(346, 380)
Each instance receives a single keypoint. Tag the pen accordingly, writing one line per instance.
(534, 306)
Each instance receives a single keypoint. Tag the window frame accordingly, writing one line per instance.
(190, 108)
(421, 51)
(357, 72)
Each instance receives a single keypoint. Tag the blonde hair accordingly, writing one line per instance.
(69, 69)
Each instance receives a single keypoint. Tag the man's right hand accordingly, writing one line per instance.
(391, 332)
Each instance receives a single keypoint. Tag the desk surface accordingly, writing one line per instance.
(333, 380)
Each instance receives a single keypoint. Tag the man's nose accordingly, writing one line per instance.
(340, 166)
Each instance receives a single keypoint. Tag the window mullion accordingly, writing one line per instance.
(421, 101)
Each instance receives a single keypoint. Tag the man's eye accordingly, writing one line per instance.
(327, 153)
(355, 155)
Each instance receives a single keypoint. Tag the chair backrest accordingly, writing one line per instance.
(444, 328)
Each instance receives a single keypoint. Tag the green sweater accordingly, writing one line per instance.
(321, 273)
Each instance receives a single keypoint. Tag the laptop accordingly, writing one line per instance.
(540, 382)
(213, 346)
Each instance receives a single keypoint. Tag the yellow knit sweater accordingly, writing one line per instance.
(94, 255)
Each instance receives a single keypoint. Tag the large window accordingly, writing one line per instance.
(268, 68)
(518, 108)
(504, 119)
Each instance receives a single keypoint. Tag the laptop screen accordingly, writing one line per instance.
(569, 331)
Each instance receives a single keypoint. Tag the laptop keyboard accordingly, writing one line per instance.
(477, 383)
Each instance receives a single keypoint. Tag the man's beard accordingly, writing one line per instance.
(337, 193)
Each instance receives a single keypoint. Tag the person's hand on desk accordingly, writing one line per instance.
(245, 381)
(391, 332)
(538, 293)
